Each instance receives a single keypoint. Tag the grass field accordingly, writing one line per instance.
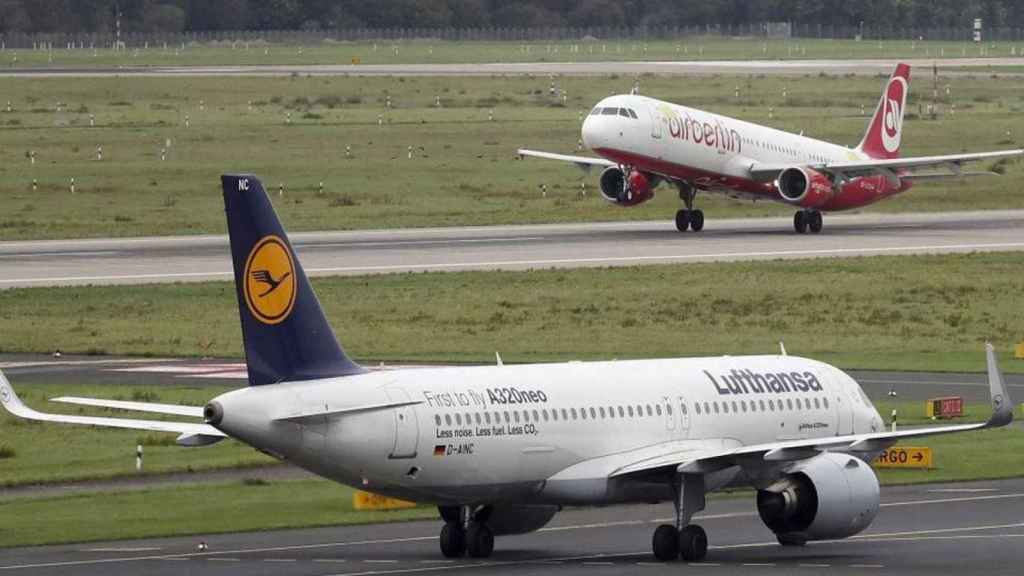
(429, 51)
(206, 509)
(912, 312)
(303, 131)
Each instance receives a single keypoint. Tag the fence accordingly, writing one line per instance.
(16, 40)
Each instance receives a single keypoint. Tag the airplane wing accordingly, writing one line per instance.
(853, 168)
(688, 461)
(190, 433)
(584, 162)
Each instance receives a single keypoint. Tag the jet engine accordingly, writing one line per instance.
(829, 496)
(626, 190)
(804, 187)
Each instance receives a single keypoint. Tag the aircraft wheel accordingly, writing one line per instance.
(453, 540)
(665, 543)
(791, 539)
(696, 220)
(683, 220)
(693, 543)
(800, 222)
(479, 540)
(814, 221)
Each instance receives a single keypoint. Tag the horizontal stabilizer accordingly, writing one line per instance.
(14, 405)
(176, 409)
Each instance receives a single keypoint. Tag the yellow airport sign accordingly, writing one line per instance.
(362, 500)
(1018, 351)
(905, 457)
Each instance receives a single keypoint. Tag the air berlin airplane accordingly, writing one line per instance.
(643, 141)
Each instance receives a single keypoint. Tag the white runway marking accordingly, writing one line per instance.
(968, 490)
(667, 258)
(296, 547)
(422, 242)
(137, 549)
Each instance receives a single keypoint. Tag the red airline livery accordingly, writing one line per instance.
(643, 141)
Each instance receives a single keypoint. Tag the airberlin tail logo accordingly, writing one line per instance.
(269, 282)
(892, 113)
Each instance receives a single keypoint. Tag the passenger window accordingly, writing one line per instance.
(593, 413)
(602, 412)
(668, 409)
(526, 415)
(696, 406)
(734, 408)
(565, 415)
(610, 111)
(725, 407)
(583, 413)
(706, 408)
(825, 402)
(544, 413)
(683, 408)
(789, 403)
(536, 416)
(487, 417)
(573, 411)
(448, 419)
(458, 419)
(817, 404)
(477, 417)
(622, 414)
(437, 419)
(507, 418)
(657, 409)
(743, 405)
(716, 407)
(611, 412)
(761, 402)
(649, 410)
(515, 414)
(630, 411)
(807, 403)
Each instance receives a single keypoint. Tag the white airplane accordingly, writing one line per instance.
(499, 449)
(643, 141)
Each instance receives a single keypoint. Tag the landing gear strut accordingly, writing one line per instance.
(465, 532)
(685, 540)
(805, 220)
(688, 217)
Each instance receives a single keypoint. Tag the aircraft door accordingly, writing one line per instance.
(407, 430)
(684, 415)
(669, 414)
(845, 402)
(656, 122)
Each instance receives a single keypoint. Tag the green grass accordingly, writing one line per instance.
(463, 169)
(431, 51)
(190, 509)
(46, 453)
(898, 312)
(242, 506)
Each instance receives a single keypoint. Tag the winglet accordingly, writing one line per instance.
(9, 399)
(1002, 405)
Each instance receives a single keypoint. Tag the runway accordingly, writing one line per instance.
(200, 258)
(790, 67)
(954, 528)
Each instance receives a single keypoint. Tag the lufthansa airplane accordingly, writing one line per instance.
(499, 449)
(643, 141)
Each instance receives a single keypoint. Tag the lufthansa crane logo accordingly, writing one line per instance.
(269, 282)
(5, 394)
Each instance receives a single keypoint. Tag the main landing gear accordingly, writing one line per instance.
(685, 540)
(465, 532)
(805, 220)
(688, 217)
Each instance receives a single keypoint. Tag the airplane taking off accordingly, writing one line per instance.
(499, 449)
(643, 141)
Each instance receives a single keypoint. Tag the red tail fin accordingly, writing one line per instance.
(886, 128)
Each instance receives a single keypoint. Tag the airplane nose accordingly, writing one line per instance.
(589, 133)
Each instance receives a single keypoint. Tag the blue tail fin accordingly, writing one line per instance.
(285, 332)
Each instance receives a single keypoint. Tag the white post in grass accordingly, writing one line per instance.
(92, 119)
(163, 154)
(410, 152)
(348, 151)
(187, 121)
(35, 185)
(99, 153)
(138, 457)
(893, 419)
(72, 185)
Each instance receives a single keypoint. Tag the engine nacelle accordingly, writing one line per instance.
(626, 190)
(804, 187)
(504, 520)
(829, 496)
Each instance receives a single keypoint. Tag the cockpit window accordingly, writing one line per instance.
(595, 111)
(623, 112)
(632, 114)
(610, 111)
